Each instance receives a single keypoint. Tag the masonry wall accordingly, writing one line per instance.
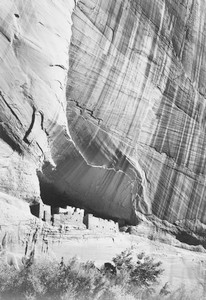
(69, 216)
(72, 216)
(41, 211)
(94, 223)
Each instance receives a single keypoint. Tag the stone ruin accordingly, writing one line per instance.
(74, 217)
(99, 224)
(58, 215)
(68, 216)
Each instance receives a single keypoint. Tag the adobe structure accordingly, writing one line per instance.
(99, 224)
(71, 216)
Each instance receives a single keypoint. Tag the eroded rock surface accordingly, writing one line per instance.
(34, 42)
(105, 101)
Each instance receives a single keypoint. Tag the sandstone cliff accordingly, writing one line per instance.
(103, 106)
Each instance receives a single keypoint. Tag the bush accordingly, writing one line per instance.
(138, 273)
(52, 281)
(80, 281)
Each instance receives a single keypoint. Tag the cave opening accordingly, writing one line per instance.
(50, 195)
(56, 201)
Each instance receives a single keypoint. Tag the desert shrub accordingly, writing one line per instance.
(52, 281)
(23, 284)
(138, 273)
(80, 281)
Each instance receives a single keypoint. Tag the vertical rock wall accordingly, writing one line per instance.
(107, 100)
(136, 101)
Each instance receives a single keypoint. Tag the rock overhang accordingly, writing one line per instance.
(108, 105)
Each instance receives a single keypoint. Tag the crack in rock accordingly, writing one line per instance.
(84, 110)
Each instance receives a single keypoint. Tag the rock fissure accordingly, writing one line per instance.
(5, 35)
(59, 66)
(84, 110)
(9, 106)
(30, 127)
(42, 123)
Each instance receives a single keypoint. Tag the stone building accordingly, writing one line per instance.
(99, 224)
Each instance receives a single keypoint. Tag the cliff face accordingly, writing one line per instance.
(103, 105)
(34, 42)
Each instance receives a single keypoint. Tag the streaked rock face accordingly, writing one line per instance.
(106, 99)
(33, 68)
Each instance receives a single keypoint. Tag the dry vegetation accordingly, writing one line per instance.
(130, 277)
(126, 279)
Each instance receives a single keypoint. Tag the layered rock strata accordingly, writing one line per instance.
(106, 100)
